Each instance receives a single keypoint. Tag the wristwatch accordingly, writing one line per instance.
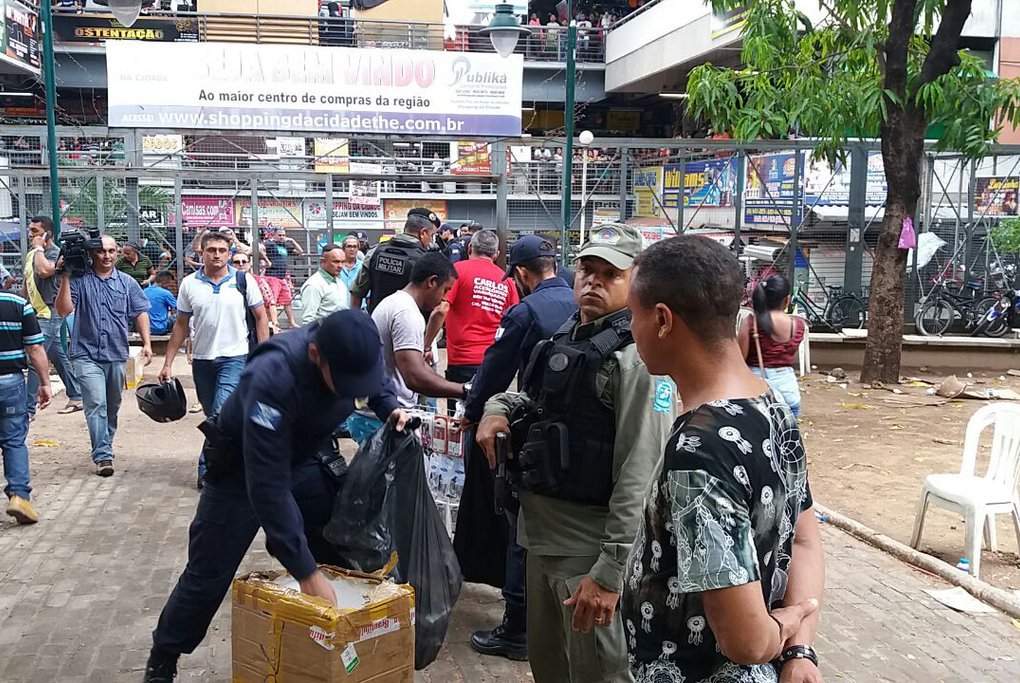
(467, 389)
(798, 652)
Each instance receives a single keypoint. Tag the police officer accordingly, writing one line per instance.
(387, 267)
(264, 471)
(586, 432)
(546, 305)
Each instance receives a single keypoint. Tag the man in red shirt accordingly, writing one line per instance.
(473, 308)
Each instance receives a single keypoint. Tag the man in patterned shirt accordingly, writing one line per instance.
(726, 572)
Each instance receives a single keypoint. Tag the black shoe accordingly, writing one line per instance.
(161, 667)
(501, 642)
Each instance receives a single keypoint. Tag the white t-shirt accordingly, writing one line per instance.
(219, 325)
(402, 328)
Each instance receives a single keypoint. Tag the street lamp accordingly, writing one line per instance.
(504, 30)
(584, 139)
(126, 12)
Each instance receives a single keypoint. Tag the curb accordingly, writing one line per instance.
(996, 597)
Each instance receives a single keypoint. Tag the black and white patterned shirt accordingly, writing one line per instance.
(720, 512)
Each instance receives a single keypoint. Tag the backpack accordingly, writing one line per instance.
(242, 287)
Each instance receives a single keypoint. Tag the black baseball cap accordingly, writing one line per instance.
(526, 249)
(349, 342)
(426, 213)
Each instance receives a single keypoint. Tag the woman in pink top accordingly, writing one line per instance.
(779, 335)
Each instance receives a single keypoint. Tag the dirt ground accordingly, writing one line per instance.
(868, 458)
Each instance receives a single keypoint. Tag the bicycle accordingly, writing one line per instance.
(842, 309)
(942, 308)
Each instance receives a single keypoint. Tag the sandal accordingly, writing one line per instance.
(70, 408)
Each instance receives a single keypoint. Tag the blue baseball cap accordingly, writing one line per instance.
(349, 342)
(526, 249)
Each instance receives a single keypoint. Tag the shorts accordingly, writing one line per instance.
(281, 290)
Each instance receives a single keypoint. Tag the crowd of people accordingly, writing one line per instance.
(659, 525)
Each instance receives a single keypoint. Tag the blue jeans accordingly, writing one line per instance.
(102, 386)
(784, 382)
(362, 427)
(516, 568)
(215, 381)
(58, 358)
(13, 431)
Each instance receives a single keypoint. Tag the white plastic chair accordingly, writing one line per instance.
(980, 498)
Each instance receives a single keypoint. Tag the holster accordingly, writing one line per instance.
(221, 455)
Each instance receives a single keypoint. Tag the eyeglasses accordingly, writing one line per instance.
(240, 262)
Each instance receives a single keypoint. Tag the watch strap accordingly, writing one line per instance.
(798, 652)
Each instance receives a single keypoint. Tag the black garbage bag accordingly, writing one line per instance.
(385, 506)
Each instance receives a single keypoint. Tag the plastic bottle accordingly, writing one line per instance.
(963, 565)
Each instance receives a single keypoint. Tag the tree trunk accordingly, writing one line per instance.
(902, 146)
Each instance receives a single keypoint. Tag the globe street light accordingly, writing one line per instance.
(126, 11)
(504, 30)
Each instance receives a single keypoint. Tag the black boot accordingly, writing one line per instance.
(161, 667)
(509, 639)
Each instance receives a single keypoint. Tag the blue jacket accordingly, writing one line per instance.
(537, 317)
(282, 413)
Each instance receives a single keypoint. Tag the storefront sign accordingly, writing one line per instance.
(770, 186)
(205, 212)
(396, 210)
(332, 155)
(729, 20)
(19, 43)
(96, 29)
(709, 183)
(648, 190)
(473, 158)
(346, 216)
(826, 185)
(312, 88)
(162, 144)
(282, 213)
(996, 196)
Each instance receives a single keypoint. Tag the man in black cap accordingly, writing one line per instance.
(264, 471)
(486, 545)
(387, 267)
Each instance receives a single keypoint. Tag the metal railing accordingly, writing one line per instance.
(542, 45)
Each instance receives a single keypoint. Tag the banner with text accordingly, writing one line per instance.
(996, 196)
(19, 37)
(95, 29)
(305, 88)
(396, 211)
(347, 217)
(648, 190)
(770, 193)
(282, 213)
(332, 155)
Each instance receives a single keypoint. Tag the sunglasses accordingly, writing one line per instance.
(240, 262)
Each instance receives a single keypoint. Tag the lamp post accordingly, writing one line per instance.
(584, 139)
(126, 12)
(568, 131)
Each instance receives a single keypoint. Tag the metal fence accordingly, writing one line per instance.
(781, 209)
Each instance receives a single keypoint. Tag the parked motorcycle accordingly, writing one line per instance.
(1005, 314)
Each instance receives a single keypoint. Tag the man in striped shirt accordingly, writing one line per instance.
(21, 341)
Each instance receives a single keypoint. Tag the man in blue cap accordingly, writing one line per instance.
(264, 470)
(487, 548)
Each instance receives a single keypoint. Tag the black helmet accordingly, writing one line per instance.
(164, 402)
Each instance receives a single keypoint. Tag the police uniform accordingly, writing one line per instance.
(387, 266)
(587, 430)
(263, 467)
(487, 553)
(457, 249)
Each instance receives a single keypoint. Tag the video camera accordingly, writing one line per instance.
(76, 247)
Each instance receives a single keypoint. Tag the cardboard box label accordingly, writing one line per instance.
(349, 657)
(378, 628)
(320, 636)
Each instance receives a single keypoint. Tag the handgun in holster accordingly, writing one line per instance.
(220, 455)
(329, 458)
(502, 455)
(544, 457)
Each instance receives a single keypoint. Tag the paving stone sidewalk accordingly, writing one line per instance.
(80, 591)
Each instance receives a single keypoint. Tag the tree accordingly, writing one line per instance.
(888, 68)
(80, 196)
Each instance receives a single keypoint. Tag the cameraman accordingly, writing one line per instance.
(104, 301)
(41, 285)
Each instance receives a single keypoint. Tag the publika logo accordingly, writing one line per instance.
(461, 68)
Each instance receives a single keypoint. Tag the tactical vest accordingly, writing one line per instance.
(391, 269)
(569, 435)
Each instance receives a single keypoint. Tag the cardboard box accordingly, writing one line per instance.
(134, 371)
(282, 635)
